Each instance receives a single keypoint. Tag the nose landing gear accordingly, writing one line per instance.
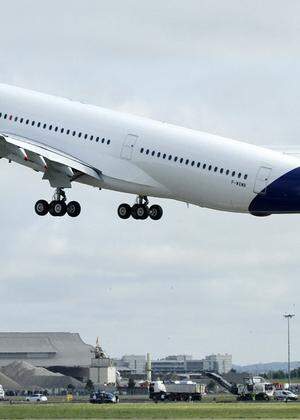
(140, 210)
(58, 206)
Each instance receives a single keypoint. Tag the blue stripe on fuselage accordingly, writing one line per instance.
(282, 196)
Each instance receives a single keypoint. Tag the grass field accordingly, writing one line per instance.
(152, 411)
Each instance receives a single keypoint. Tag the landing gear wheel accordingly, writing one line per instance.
(124, 211)
(133, 211)
(73, 209)
(57, 208)
(155, 212)
(41, 208)
(140, 211)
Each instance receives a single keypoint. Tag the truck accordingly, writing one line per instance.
(176, 391)
(252, 388)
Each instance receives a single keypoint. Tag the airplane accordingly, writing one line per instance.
(69, 142)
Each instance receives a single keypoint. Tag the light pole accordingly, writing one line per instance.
(289, 317)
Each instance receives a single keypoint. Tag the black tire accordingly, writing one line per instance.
(41, 208)
(155, 212)
(51, 208)
(57, 208)
(133, 211)
(124, 211)
(140, 212)
(73, 209)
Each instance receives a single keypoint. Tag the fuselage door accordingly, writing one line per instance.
(128, 146)
(261, 182)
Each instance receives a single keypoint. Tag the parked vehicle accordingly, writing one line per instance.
(102, 397)
(36, 398)
(285, 395)
(176, 391)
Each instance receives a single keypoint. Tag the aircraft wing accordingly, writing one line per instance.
(58, 168)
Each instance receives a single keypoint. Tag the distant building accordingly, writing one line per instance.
(194, 366)
(61, 352)
(171, 364)
(165, 366)
(136, 363)
(102, 372)
(221, 363)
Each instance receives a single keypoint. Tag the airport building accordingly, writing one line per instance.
(60, 352)
(221, 363)
(136, 363)
(68, 354)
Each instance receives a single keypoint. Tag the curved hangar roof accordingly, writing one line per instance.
(45, 349)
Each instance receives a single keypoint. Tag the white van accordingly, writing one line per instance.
(285, 394)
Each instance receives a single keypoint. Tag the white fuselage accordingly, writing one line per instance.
(144, 157)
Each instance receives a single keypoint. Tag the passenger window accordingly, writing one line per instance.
(158, 154)
(239, 175)
(68, 132)
(175, 158)
(27, 122)
(204, 165)
(56, 129)
(142, 150)
(227, 172)
(39, 124)
(5, 116)
(153, 153)
(16, 119)
(187, 162)
(147, 152)
(198, 165)
(85, 136)
(164, 156)
(181, 160)
(216, 168)
(245, 177)
(74, 133)
(102, 141)
(79, 135)
(108, 142)
(92, 138)
(62, 131)
(193, 163)
(33, 123)
(233, 173)
(97, 139)
(170, 157)
(21, 120)
(209, 168)
(221, 170)
(50, 127)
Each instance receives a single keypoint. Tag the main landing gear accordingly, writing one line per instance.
(140, 210)
(58, 206)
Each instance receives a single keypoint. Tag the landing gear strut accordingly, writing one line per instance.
(58, 206)
(140, 210)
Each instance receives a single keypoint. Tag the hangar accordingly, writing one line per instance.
(61, 352)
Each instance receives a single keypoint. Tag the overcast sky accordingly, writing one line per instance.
(199, 281)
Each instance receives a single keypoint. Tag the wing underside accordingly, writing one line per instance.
(58, 168)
